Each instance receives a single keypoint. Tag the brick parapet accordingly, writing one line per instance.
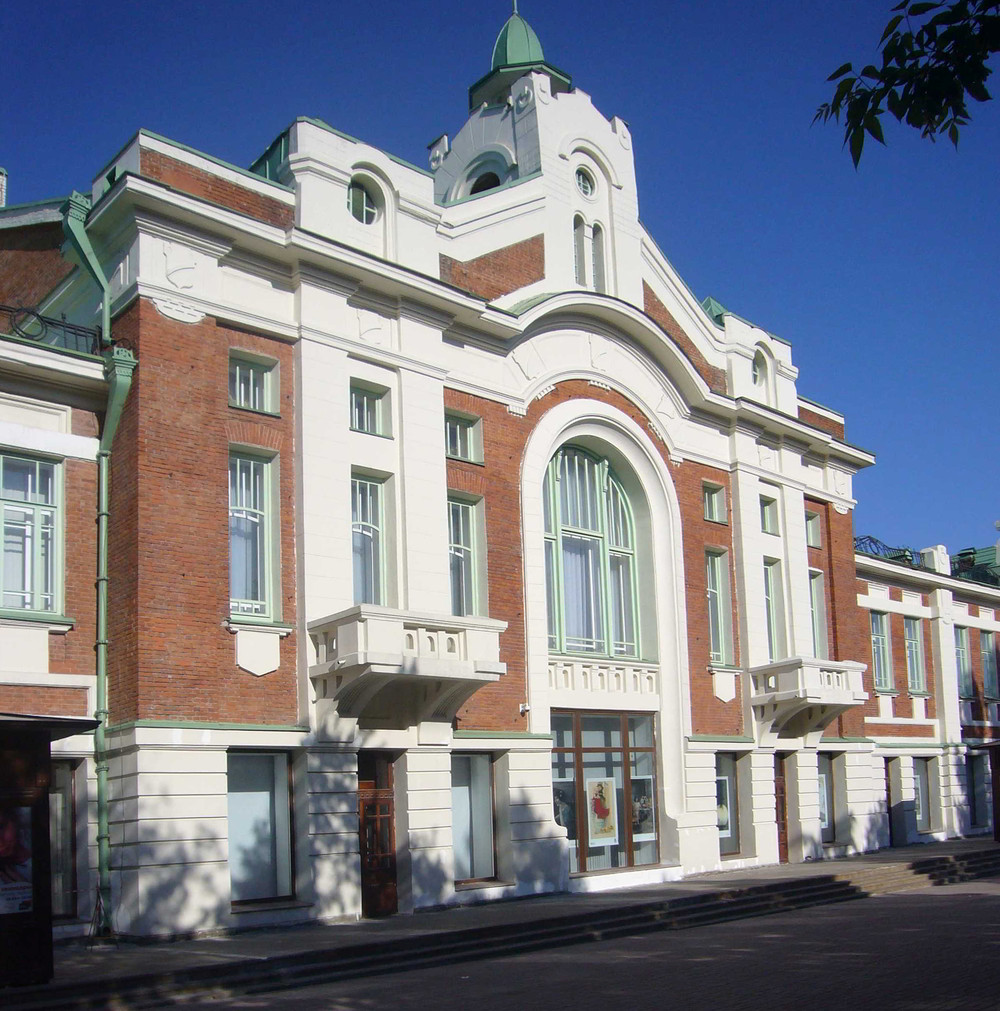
(498, 272)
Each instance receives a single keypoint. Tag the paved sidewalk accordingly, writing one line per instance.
(86, 966)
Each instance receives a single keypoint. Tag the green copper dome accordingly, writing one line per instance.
(517, 43)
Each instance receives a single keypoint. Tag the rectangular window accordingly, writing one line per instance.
(259, 803)
(916, 676)
(604, 788)
(727, 803)
(881, 657)
(367, 538)
(472, 816)
(817, 610)
(922, 793)
(368, 411)
(768, 515)
(988, 652)
(814, 535)
(713, 499)
(463, 438)
(827, 814)
(249, 535)
(963, 663)
(251, 384)
(29, 502)
(462, 535)
(975, 789)
(719, 606)
(774, 610)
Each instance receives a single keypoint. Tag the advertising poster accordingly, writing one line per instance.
(602, 818)
(643, 814)
(15, 860)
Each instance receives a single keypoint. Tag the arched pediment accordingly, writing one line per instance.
(592, 313)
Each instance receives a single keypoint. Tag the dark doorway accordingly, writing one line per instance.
(781, 806)
(888, 802)
(376, 815)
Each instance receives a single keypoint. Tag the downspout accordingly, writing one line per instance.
(119, 365)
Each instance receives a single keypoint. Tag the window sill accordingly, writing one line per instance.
(254, 410)
(718, 523)
(465, 459)
(374, 435)
(886, 691)
(236, 622)
(267, 905)
(919, 693)
(57, 623)
(727, 667)
(474, 883)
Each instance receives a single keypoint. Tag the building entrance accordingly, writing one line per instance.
(376, 816)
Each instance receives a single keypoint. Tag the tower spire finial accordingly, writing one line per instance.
(515, 6)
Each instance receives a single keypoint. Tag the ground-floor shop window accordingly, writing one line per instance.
(472, 816)
(727, 803)
(975, 789)
(827, 811)
(62, 839)
(604, 788)
(260, 850)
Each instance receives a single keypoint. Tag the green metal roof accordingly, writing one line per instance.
(517, 43)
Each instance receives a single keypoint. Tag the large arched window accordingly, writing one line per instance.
(590, 575)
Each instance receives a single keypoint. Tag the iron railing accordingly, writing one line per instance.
(29, 325)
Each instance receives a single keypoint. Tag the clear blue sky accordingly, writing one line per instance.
(884, 280)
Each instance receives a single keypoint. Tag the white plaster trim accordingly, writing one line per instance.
(38, 440)
(48, 680)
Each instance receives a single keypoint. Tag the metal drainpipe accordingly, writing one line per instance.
(119, 365)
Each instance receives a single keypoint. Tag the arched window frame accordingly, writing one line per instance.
(597, 242)
(593, 513)
(580, 250)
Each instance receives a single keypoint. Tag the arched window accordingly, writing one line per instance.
(579, 252)
(600, 283)
(487, 181)
(759, 371)
(590, 574)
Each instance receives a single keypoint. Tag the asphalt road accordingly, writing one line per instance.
(937, 948)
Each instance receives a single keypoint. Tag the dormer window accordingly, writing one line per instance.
(361, 203)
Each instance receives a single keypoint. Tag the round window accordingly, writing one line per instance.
(585, 182)
(361, 203)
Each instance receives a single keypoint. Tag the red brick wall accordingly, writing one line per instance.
(825, 424)
(30, 263)
(200, 183)
(496, 706)
(660, 314)
(172, 659)
(38, 701)
(498, 272)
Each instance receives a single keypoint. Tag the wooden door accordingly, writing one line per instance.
(781, 807)
(376, 816)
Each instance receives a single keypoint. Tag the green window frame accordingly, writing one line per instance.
(250, 536)
(30, 504)
(963, 663)
(713, 502)
(814, 534)
(367, 539)
(881, 654)
(988, 652)
(916, 674)
(719, 606)
(774, 609)
(368, 410)
(251, 384)
(590, 558)
(462, 438)
(462, 556)
(361, 203)
(768, 514)
(817, 614)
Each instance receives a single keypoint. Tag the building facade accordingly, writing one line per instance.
(455, 551)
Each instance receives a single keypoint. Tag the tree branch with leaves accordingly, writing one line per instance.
(934, 58)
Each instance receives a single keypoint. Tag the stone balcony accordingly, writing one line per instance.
(799, 697)
(396, 669)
